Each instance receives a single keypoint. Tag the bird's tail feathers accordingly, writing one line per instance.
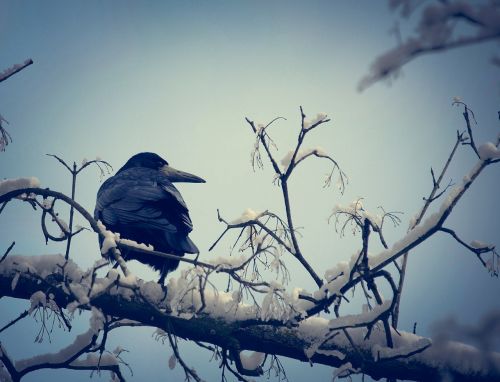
(191, 247)
(181, 243)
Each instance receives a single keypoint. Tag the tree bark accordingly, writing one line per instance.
(430, 365)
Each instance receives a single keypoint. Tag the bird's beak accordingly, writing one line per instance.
(180, 176)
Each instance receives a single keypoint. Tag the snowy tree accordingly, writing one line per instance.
(441, 27)
(245, 308)
(247, 301)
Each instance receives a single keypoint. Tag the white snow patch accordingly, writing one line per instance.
(247, 215)
(343, 371)
(252, 361)
(184, 297)
(9, 185)
(313, 328)
(43, 265)
(228, 262)
(479, 244)
(270, 306)
(130, 281)
(37, 299)
(488, 151)
(359, 319)
(110, 238)
(331, 353)
(96, 320)
(15, 279)
(132, 243)
(152, 291)
(96, 360)
(311, 123)
(302, 154)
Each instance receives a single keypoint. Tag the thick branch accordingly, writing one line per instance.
(289, 342)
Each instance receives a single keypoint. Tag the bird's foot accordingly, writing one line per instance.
(165, 292)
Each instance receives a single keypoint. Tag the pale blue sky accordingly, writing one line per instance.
(177, 78)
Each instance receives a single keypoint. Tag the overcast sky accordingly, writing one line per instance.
(112, 79)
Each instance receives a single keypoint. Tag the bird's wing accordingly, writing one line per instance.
(175, 205)
(142, 198)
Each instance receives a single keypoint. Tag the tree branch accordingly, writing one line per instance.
(14, 69)
(428, 201)
(427, 365)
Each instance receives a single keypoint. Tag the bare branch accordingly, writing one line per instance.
(14, 69)
(437, 31)
(432, 196)
(7, 251)
(477, 250)
(5, 137)
(187, 370)
(261, 137)
(18, 318)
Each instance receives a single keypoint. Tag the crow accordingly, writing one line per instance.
(141, 203)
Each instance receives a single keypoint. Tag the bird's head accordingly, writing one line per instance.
(156, 162)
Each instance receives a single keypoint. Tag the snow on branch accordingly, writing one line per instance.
(295, 155)
(14, 69)
(430, 225)
(438, 29)
(257, 311)
(8, 185)
(79, 355)
(250, 333)
(363, 266)
(282, 176)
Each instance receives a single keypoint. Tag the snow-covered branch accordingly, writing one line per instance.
(14, 69)
(258, 311)
(138, 302)
(438, 29)
(290, 162)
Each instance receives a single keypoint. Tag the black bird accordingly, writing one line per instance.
(141, 203)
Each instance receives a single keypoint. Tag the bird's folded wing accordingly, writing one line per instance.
(143, 202)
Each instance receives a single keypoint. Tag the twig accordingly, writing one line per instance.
(14, 69)
(261, 137)
(477, 251)
(187, 370)
(7, 251)
(20, 317)
(3, 206)
(428, 201)
(74, 171)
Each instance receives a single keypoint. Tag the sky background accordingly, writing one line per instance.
(112, 79)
